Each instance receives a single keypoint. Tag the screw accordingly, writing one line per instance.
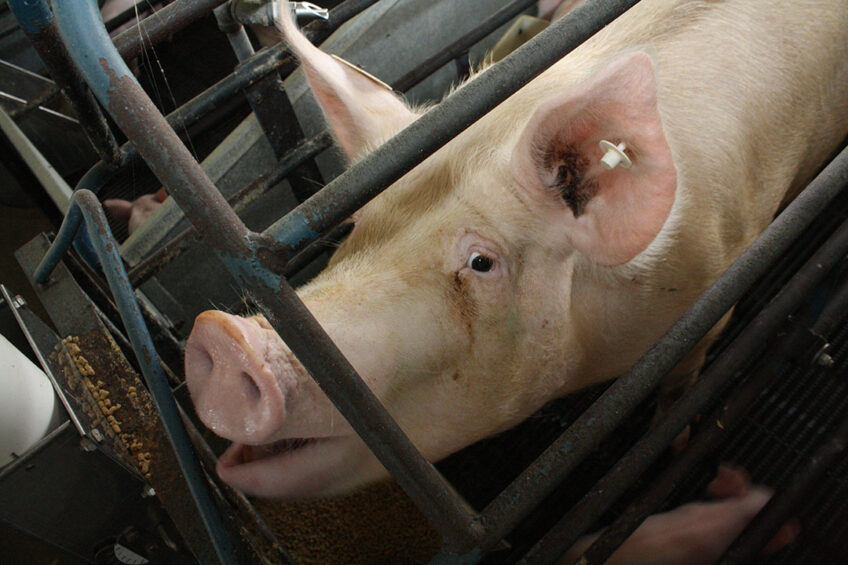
(97, 435)
(148, 492)
(87, 445)
(825, 360)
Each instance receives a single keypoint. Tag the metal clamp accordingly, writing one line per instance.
(266, 12)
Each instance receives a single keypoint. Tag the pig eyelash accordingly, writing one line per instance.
(480, 263)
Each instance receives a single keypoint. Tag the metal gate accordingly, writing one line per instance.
(84, 61)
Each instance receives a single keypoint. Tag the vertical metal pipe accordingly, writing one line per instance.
(86, 206)
(622, 397)
(36, 20)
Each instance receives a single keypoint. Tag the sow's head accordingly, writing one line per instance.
(482, 284)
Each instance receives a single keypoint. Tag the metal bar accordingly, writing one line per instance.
(161, 24)
(380, 168)
(36, 20)
(782, 504)
(154, 262)
(461, 46)
(246, 256)
(622, 397)
(36, 103)
(86, 206)
(234, 31)
(273, 109)
(720, 422)
(55, 186)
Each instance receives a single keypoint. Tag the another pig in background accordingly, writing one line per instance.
(511, 267)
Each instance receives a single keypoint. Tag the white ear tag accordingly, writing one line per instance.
(614, 155)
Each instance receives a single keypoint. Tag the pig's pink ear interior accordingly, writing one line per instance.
(362, 111)
(608, 215)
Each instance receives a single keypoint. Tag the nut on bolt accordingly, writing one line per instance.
(824, 360)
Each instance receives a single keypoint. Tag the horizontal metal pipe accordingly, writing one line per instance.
(782, 504)
(245, 255)
(86, 206)
(161, 24)
(367, 178)
(622, 397)
(36, 20)
(461, 45)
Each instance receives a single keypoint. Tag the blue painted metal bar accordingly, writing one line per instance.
(85, 207)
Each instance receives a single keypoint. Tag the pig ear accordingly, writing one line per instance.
(608, 215)
(362, 111)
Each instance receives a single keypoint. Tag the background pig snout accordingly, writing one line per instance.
(233, 388)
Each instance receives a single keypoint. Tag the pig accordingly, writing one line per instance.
(136, 212)
(512, 266)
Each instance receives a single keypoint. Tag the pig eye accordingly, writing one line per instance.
(480, 263)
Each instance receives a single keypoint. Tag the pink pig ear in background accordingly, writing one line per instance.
(609, 215)
(362, 111)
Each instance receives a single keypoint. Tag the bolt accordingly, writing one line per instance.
(825, 360)
(97, 435)
(148, 492)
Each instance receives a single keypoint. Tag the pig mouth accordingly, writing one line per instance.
(289, 468)
(250, 453)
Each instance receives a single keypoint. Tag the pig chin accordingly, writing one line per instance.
(300, 468)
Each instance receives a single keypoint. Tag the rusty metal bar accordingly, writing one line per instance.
(161, 24)
(622, 397)
(36, 20)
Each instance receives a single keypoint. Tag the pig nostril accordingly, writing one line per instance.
(251, 391)
(202, 362)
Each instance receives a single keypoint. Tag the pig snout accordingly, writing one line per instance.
(234, 389)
